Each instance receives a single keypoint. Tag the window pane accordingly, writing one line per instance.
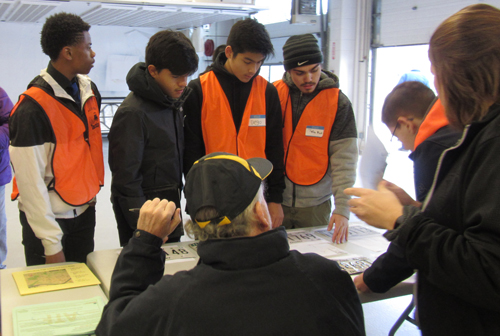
(276, 72)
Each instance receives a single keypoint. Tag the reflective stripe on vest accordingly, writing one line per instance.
(219, 131)
(77, 163)
(434, 120)
(306, 148)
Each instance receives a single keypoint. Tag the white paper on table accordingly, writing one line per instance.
(375, 244)
(295, 237)
(323, 248)
(373, 161)
(173, 261)
(353, 265)
(175, 253)
(355, 232)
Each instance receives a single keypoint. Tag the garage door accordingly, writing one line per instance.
(404, 22)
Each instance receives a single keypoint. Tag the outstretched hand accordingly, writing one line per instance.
(380, 208)
(360, 284)
(341, 232)
(159, 218)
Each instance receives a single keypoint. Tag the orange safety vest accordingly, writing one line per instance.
(219, 131)
(306, 148)
(434, 120)
(77, 163)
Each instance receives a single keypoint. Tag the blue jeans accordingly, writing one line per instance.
(3, 228)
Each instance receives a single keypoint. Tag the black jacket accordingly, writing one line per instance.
(237, 94)
(426, 156)
(391, 267)
(241, 286)
(146, 143)
(455, 242)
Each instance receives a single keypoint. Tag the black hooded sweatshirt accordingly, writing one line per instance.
(146, 143)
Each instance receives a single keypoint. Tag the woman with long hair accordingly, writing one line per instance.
(453, 241)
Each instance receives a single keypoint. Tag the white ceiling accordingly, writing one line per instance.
(134, 13)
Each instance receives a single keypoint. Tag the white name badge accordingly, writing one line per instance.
(315, 131)
(257, 120)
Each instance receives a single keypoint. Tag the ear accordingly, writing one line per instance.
(410, 123)
(152, 71)
(229, 52)
(66, 53)
(264, 219)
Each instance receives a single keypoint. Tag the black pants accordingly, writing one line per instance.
(127, 221)
(125, 231)
(77, 240)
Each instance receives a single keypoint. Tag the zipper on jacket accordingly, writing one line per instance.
(179, 110)
(294, 124)
(294, 196)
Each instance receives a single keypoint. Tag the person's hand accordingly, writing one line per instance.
(276, 212)
(55, 258)
(377, 208)
(402, 196)
(159, 218)
(360, 284)
(341, 232)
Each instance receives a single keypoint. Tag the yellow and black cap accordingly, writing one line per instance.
(226, 182)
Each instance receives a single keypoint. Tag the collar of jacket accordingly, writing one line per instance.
(49, 85)
(141, 83)
(327, 80)
(218, 68)
(476, 126)
(469, 134)
(245, 252)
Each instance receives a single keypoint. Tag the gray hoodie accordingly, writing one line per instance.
(343, 151)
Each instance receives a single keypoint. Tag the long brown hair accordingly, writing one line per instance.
(465, 54)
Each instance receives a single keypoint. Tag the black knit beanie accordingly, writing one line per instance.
(300, 50)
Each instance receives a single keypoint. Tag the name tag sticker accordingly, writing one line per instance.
(257, 120)
(315, 131)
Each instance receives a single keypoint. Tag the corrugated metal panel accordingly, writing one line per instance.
(4, 6)
(145, 17)
(21, 11)
(169, 14)
(405, 22)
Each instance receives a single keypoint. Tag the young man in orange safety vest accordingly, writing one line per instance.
(232, 109)
(56, 148)
(414, 115)
(320, 140)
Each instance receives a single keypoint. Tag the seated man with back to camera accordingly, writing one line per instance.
(247, 281)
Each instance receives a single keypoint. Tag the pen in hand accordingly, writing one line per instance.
(134, 209)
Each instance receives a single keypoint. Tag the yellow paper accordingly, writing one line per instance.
(54, 278)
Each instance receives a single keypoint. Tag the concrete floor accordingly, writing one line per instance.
(379, 316)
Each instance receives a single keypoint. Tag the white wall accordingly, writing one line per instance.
(22, 58)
